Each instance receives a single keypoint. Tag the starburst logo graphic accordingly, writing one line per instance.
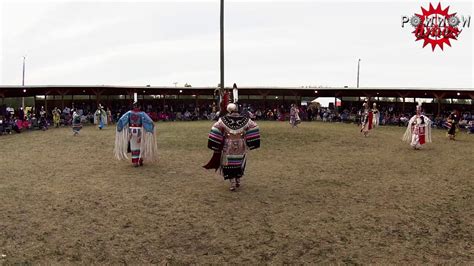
(436, 26)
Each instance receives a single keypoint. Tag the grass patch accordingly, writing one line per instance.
(318, 193)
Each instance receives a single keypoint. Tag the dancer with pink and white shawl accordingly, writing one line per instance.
(418, 130)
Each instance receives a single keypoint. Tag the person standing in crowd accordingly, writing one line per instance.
(76, 122)
(3, 110)
(453, 121)
(309, 110)
(230, 138)
(109, 116)
(366, 120)
(21, 114)
(294, 116)
(470, 127)
(376, 115)
(56, 117)
(100, 117)
(67, 116)
(418, 130)
(10, 111)
(135, 128)
(43, 124)
(2, 124)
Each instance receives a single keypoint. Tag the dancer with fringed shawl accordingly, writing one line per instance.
(100, 117)
(366, 120)
(76, 122)
(418, 130)
(294, 116)
(136, 131)
(231, 137)
(43, 124)
(376, 115)
(56, 117)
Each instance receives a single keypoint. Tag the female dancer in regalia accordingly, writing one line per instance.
(294, 116)
(418, 130)
(135, 130)
(231, 137)
(366, 120)
(453, 121)
(76, 122)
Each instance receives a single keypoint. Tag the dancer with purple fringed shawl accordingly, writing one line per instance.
(136, 131)
(231, 138)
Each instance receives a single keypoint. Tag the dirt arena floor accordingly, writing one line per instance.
(321, 193)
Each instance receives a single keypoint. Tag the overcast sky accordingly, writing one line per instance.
(284, 43)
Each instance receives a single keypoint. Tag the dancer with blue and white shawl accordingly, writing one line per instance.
(136, 131)
(100, 117)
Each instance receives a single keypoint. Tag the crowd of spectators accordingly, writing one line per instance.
(17, 120)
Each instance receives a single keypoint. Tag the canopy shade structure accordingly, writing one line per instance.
(367, 92)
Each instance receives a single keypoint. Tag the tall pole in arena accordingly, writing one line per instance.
(358, 71)
(222, 47)
(23, 84)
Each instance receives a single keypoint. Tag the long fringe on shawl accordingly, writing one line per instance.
(148, 146)
(408, 132)
(121, 144)
(407, 135)
(103, 116)
(428, 131)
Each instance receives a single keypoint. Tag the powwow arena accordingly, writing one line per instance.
(316, 190)
(236, 174)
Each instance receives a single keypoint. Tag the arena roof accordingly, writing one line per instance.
(418, 92)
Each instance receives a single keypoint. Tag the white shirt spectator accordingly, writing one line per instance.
(187, 114)
(11, 110)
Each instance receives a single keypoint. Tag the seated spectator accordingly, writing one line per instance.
(270, 114)
(26, 124)
(179, 116)
(7, 126)
(403, 120)
(463, 123)
(258, 114)
(344, 116)
(213, 116)
(325, 116)
(2, 126)
(90, 118)
(187, 115)
(470, 127)
(162, 116)
(66, 111)
(16, 125)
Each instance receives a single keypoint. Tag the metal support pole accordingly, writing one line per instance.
(222, 46)
(23, 84)
(358, 72)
